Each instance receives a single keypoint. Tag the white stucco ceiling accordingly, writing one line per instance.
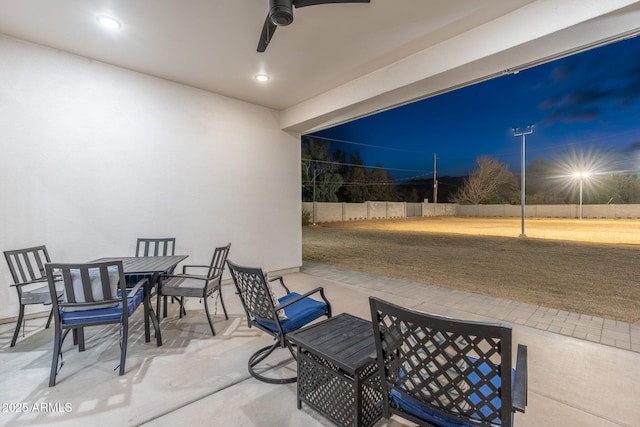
(335, 62)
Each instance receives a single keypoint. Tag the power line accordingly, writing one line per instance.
(362, 166)
(359, 184)
(368, 145)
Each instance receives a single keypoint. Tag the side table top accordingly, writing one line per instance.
(344, 340)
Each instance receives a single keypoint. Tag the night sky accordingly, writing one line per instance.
(586, 106)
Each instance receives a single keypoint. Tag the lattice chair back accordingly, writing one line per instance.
(443, 370)
(267, 312)
(164, 246)
(254, 291)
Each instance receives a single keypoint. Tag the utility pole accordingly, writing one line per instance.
(522, 134)
(435, 180)
(314, 196)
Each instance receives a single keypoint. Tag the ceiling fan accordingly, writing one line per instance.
(281, 14)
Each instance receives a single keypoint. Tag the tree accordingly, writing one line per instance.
(330, 178)
(339, 157)
(490, 182)
(320, 181)
(613, 189)
(382, 186)
(357, 180)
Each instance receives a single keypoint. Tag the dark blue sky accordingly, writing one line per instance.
(584, 105)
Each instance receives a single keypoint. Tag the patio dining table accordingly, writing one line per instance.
(152, 267)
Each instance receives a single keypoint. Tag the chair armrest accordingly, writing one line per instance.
(184, 276)
(273, 279)
(519, 401)
(184, 267)
(303, 296)
(40, 280)
(132, 291)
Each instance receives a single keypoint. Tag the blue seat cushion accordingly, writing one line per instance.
(132, 279)
(298, 314)
(102, 315)
(419, 410)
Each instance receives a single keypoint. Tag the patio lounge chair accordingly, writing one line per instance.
(29, 278)
(94, 294)
(446, 372)
(199, 286)
(277, 317)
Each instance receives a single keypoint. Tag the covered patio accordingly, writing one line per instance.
(196, 379)
(160, 130)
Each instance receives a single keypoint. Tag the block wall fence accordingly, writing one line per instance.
(328, 212)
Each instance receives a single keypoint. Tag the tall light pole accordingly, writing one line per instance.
(314, 196)
(435, 180)
(522, 134)
(581, 176)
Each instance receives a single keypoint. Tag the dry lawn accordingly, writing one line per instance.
(587, 266)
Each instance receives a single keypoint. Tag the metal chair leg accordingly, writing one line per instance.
(78, 338)
(123, 346)
(181, 308)
(57, 347)
(50, 319)
(206, 310)
(222, 301)
(262, 354)
(164, 310)
(17, 331)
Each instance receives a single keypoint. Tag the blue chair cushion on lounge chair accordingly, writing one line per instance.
(419, 410)
(100, 315)
(298, 314)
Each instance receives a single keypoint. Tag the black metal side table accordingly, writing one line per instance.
(337, 370)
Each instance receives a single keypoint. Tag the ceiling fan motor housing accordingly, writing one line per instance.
(281, 12)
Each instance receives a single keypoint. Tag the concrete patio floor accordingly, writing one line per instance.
(196, 379)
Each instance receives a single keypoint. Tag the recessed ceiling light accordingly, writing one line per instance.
(109, 22)
(262, 77)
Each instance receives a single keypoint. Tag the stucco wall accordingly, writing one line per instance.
(94, 156)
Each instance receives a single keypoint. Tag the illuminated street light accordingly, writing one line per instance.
(581, 176)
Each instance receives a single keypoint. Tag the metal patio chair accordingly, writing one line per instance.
(30, 280)
(275, 316)
(154, 246)
(447, 372)
(94, 294)
(163, 246)
(199, 286)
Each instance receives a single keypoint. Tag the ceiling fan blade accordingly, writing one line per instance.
(303, 3)
(267, 33)
(281, 13)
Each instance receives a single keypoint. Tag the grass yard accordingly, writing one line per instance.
(587, 266)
